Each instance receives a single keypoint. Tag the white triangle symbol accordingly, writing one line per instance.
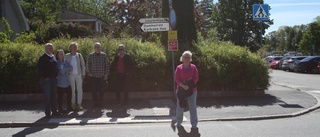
(261, 13)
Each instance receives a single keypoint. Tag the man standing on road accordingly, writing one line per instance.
(98, 70)
(48, 71)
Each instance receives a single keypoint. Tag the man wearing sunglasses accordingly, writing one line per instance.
(122, 66)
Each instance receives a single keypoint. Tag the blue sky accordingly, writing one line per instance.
(292, 12)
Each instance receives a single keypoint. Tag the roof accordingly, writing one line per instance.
(22, 19)
(74, 16)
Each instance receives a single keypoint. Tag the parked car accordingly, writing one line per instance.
(284, 62)
(294, 61)
(308, 64)
(268, 60)
(275, 64)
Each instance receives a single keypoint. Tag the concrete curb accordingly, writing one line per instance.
(167, 119)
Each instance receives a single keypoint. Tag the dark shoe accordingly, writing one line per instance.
(48, 116)
(70, 109)
(56, 114)
(195, 132)
(80, 108)
(62, 111)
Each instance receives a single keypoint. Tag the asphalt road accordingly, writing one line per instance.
(303, 126)
(304, 81)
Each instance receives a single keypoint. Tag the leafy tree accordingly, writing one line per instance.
(310, 37)
(234, 22)
(203, 11)
(285, 39)
(125, 16)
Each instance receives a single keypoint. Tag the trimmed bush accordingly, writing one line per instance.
(18, 65)
(221, 65)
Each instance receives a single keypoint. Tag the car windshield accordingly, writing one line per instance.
(301, 58)
(277, 58)
(285, 58)
(308, 58)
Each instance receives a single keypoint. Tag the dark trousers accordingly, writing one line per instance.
(61, 92)
(49, 90)
(98, 85)
(121, 82)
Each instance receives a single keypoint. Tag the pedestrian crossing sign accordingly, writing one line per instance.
(260, 12)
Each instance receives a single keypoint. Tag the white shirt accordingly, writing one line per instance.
(51, 56)
(74, 65)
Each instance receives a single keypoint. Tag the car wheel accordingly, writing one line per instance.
(314, 70)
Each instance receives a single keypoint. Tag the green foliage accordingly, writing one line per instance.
(310, 37)
(233, 20)
(6, 35)
(25, 37)
(4, 38)
(224, 66)
(18, 67)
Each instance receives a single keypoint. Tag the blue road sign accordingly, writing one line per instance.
(260, 12)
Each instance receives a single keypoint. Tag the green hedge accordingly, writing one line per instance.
(222, 66)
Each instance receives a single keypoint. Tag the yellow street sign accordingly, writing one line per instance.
(172, 35)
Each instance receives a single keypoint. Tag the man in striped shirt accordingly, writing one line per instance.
(98, 70)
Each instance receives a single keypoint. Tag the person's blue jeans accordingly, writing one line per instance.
(50, 93)
(192, 102)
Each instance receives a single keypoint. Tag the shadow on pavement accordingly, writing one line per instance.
(183, 133)
(239, 101)
(34, 129)
(118, 112)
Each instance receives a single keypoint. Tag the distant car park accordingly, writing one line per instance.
(308, 64)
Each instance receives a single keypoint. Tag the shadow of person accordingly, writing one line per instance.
(183, 133)
(118, 112)
(39, 125)
(90, 114)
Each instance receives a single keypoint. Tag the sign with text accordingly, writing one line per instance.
(173, 45)
(153, 27)
(172, 35)
(154, 20)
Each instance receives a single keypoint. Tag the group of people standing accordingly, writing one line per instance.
(64, 74)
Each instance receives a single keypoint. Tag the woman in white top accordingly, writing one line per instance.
(76, 76)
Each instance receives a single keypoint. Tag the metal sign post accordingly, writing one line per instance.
(260, 12)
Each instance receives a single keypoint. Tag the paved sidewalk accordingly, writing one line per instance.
(279, 102)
